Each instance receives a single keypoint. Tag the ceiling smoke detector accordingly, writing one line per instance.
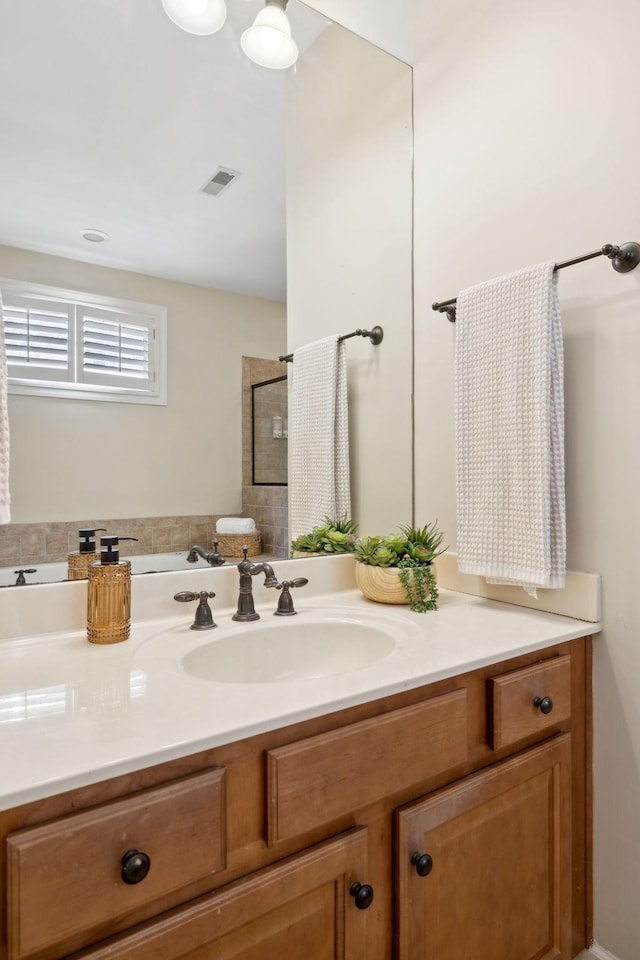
(222, 178)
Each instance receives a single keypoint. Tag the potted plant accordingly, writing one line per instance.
(399, 568)
(334, 536)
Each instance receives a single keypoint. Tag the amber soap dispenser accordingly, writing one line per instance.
(78, 562)
(109, 595)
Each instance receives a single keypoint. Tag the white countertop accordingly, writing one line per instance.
(72, 713)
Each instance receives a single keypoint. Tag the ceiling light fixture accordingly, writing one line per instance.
(268, 42)
(95, 236)
(202, 17)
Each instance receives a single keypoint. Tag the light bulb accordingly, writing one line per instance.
(268, 42)
(202, 17)
(269, 39)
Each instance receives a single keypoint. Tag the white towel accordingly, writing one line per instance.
(5, 500)
(319, 483)
(509, 412)
(235, 525)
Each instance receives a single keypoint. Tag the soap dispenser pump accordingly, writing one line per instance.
(78, 562)
(109, 595)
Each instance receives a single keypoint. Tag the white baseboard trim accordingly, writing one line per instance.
(595, 950)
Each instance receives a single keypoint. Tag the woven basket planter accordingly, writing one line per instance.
(231, 544)
(381, 584)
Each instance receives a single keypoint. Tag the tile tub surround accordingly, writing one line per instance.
(269, 508)
(268, 505)
(25, 544)
(254, 370)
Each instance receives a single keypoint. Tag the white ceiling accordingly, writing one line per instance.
(113, 118)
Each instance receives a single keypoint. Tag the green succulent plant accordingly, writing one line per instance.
(375, 551)
(424, 543)
(412, 551)
(334, 536)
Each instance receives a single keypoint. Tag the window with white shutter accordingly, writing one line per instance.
(70, 344)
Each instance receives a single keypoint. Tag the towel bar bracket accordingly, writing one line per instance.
(624, 259)
(375, 336)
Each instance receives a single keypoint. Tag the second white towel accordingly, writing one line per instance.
(319, 482)
(509, 412)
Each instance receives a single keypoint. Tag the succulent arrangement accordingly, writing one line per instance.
(412, 552)
(333, 536)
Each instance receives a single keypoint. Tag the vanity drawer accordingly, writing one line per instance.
(529, 701)
(322, 778)
(64, 877)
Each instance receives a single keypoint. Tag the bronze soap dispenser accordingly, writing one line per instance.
(109, 595)
(78, 562)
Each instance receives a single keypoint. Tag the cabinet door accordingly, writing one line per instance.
(299, 909)
(499, 883)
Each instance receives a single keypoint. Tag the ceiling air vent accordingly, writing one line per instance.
(222, 178)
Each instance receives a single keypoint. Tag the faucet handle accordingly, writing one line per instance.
(203, 618)
(298, 582)
(21, 581)
(285, 603)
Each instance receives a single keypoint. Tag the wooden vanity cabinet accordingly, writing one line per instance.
(482, 865)
(305, 843)
(299, 909)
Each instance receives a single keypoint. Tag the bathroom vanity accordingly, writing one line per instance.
(443, 815)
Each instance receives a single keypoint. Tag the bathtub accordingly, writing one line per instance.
(146, 563)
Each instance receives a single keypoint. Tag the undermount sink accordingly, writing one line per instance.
(290, 650)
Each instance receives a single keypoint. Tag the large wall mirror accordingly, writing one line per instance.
(114, 119)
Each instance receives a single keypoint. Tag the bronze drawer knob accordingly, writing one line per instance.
(423, 863)
(544, 704)
(362, 893)
(135, 866)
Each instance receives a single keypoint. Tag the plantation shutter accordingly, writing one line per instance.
(116, 349)
(38, 337)
(65, 343)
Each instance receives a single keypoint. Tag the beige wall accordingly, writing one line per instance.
(87, 458)
(526, 147)
(349, 226)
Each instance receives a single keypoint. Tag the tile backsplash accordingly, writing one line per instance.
(51, 542)
(27, 543)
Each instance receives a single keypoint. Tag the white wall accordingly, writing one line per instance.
(526, 145)
(387, 24)
(73, 458)
(349, 226)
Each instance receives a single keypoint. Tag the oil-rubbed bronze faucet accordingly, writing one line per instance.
(247, 570)
(20, 582)
(285, 603)
(204, 618)
(214, 559)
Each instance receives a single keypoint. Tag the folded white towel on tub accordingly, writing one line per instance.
(235, 525)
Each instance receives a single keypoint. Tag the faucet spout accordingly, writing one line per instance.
(270, 579)
(214, 559)
(247, 570)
